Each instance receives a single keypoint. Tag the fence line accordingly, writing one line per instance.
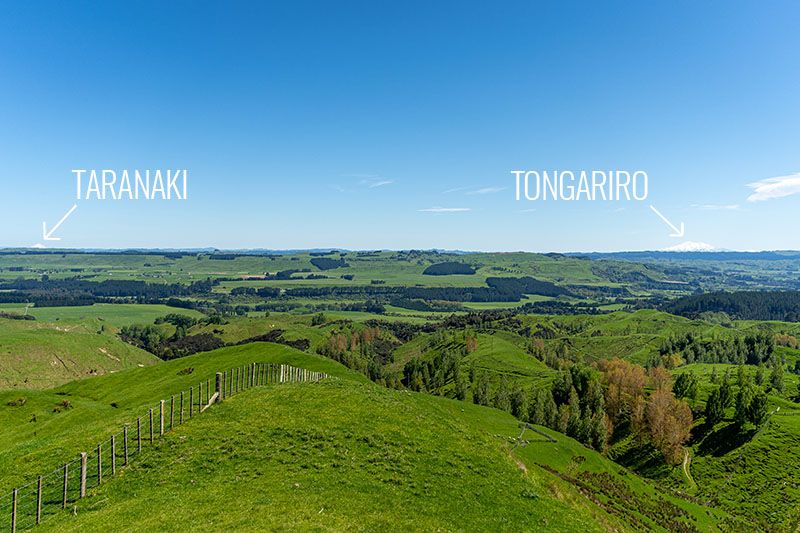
(28, 505)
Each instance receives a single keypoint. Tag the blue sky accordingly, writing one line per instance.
(396, 125)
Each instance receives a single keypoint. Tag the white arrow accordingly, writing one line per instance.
(676, 232)
(47, 235)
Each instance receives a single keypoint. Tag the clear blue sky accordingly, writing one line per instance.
(349, 124)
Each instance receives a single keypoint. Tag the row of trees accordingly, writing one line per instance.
(749, 349)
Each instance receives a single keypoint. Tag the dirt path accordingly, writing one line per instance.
(687, 461)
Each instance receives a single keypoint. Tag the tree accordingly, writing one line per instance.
(757, 410)
(501, 395)
(550, 411)
(624, 384)
(670, 423)
(480, 389)
(760, 375)
(574, 422)
(598, 431)
(536, 408)
(686, 386)
(715, 411)
(725, 394)
(660, 378)
(519, 403)
(776, 376)
(460, 383)
(743, 399)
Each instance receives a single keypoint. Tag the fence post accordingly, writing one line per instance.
(181, 417)
(64, 492)
(14, 511)
(113, 455)
(253, 375)
(191, 398)
(39, 500)
(139, 435)
(151, 426)
(219, 386)
(125, 445)
(99, 464)
(84, 458)
(161, 418)
(222, 390)
(171, 412)
(208, 391)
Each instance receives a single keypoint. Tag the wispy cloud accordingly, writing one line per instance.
(457, 189)
(475, 190)
(376, 182)
(771, 188)
(445, 210)
(716, 207)
(487, 190)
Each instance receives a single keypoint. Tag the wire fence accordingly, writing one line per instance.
(29, 505)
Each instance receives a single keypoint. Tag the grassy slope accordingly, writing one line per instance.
(35, 439)
(348, 455)
(37, 355)
(94, 316)
(752, 474)
(333, 456)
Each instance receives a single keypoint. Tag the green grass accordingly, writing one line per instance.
(116, 315)
(344, 454)
(34, 438)
(37, 355)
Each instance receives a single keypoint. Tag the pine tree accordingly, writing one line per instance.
(760, 375)
(480, 389)
(715, 411)
(501, 395)
(598, 432)
(776, 376)
(725, 395)
(519, 403)
(536, 408)
(460, 384)
(757, 410)
(743, 399)
(549, 409)
(574, 422)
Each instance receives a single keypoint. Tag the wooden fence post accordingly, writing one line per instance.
(84, 458)
(151, 426)
(171, 412)
(99, 464)
(14, 511)
(39, 500)
(125, 446)
(219, 386)
(64, 491)
(191, 398)
(139, 435)
(113, 455)
(208, 391)
(161, 418)
(181, 417)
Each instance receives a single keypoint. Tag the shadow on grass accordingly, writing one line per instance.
(645, 460)
(724, 440)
